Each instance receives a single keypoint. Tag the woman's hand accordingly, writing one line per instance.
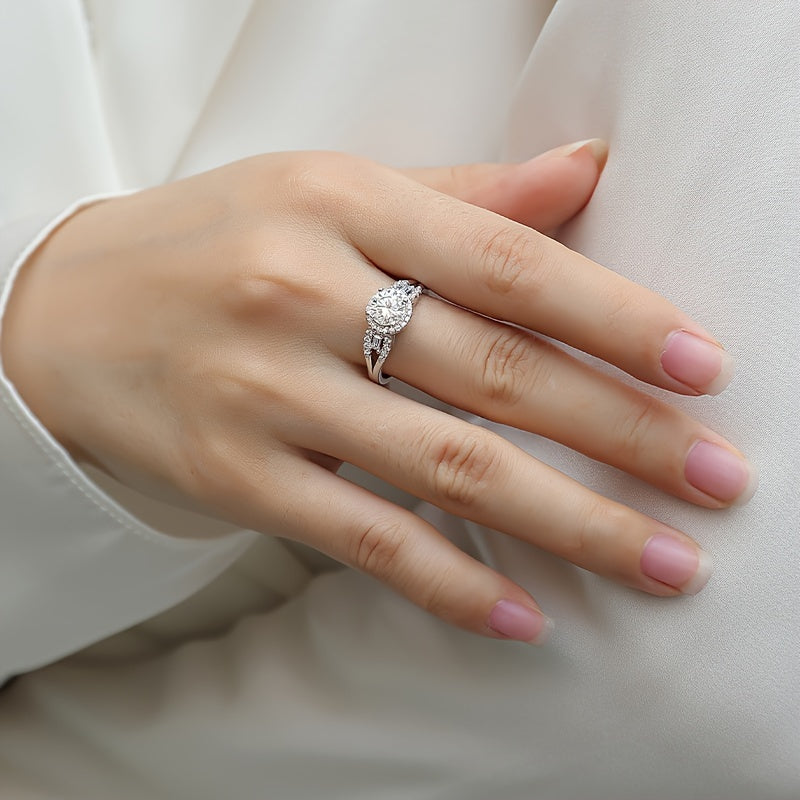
(205, 338)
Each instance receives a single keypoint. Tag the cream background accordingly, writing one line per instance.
(347, 691)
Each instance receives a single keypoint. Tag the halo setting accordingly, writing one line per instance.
(388, 312)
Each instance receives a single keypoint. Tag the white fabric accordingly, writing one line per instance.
(347, 691)
(69, 546)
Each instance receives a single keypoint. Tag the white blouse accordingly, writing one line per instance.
(635, 697)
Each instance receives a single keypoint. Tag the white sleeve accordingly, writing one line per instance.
(75, 564)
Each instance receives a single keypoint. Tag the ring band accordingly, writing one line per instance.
(388, 312)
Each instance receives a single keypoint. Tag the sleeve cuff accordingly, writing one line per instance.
(79, 561)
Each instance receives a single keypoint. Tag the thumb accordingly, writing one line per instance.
(542, 193)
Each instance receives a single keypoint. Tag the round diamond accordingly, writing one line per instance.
(389, 310)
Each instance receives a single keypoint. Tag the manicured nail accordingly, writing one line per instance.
(597, 147)
(720, 473)
(697, 363)
(520, 623)
(675, 562)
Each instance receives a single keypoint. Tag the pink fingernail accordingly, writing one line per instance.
(597, 147)
(679, 564)
(720, 473)
(697, 363)
(520, 622)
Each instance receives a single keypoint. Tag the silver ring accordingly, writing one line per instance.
(388, 312)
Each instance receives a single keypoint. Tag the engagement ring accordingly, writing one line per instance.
(388, 312)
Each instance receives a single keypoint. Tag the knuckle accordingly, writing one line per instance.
(623, 304)
(463, 467)
(504, 257)
(376, 547)
(318, 184)
(270, 281)
(602, 538)
(210, 459)
(635, 432)
(250, 294)
(205, 468)
(506, 363)
(589, 520)
(437, 594)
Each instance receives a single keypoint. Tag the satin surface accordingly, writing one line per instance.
(346, 690)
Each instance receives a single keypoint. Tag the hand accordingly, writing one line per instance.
(205, 338)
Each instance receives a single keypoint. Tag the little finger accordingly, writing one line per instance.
(395, 546)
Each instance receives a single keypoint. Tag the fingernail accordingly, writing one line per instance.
(597, 147)
(720, 473)
(697, 363)
(677, 563)
(520, 623)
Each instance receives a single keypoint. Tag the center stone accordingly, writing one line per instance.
(389, 310)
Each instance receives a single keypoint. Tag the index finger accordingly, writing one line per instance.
(505, 270)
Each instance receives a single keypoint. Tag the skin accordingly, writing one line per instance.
(201, 341)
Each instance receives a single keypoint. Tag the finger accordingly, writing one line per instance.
(480, 476)
(505, 270)
(543, 192)
(512, 377)
(393, 545)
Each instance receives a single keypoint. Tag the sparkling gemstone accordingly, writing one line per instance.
(389, 310)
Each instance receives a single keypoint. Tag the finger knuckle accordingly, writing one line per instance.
(377, 547)
(319, 184)
(205, 467)
(504, 257)
(622, 305)
(463, 468)
(506, 362)
(601, 537)
(270, 281)
(635, 432)
(580, 546)
(250, 294)
(437, 594)
(211, 461)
